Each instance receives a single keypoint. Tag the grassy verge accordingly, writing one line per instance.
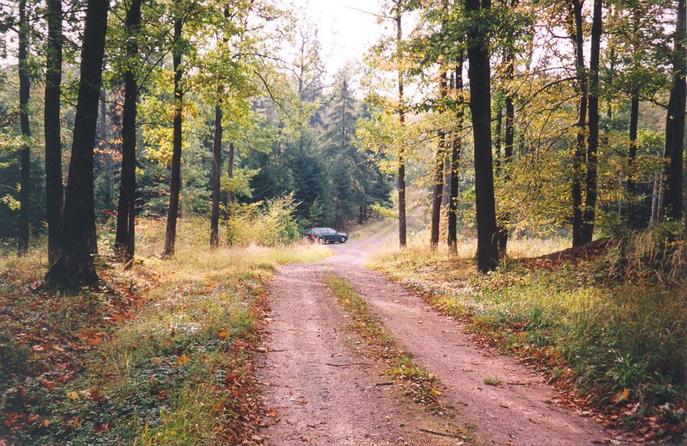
(417, 382)
(160, 355)
(611, 331)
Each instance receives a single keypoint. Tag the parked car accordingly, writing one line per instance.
(326, 235)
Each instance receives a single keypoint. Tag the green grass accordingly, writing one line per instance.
(614, 327)
(172, 367)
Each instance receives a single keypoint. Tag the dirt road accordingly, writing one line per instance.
(320, 390)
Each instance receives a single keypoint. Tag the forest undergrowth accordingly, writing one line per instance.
(160, 353)
(609, 329)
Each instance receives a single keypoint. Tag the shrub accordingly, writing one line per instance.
(272, 223)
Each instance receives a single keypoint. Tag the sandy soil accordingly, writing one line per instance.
(321, 391)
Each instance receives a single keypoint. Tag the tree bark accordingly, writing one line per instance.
(126, 205)
(509, 140)
(498, 166)
(230, 173)
(216, 172)
(25, 152)
(580, 147)
(656, 198)
(402, 230)
(675, 124)
(440, 156)
(456, 148)
(74, 267)
(632, 159)
(479, 73)
(175, 184)
(593, 124)
(446, 191)
(52, 129)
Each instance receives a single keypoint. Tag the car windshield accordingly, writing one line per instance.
(324, 231)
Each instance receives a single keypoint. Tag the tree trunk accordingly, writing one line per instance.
(593, 136)
(579, 155)
(230, 173)
(446, 191)
(104, 144)
(126, 220)
(402, 230)
(101, 139)
(479, 73)
(631, 160)
(509, 140)
(25, 152)
(74, 267)
(52, 129)
(175, 184)
(675, 124)
(498, 166)
(438, 186)
(656, 198)
(216, 172)
(455, 161)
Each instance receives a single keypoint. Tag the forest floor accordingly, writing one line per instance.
(160, 354)
(321, 384)
(307, 344)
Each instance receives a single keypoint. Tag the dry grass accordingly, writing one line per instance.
(613, 325)
(173, 367)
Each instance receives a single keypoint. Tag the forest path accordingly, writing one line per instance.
(319, 403)
(317, 389)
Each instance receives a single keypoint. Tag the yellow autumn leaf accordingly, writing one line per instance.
(183, 359)
(621, 396)
(73, 395)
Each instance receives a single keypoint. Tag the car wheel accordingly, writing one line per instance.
(343, 239)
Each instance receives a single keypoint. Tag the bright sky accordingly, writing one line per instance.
(346, 32)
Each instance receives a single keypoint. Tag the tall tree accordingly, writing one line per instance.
(125, 235)
(438, 172)
(479, 73)
(580, 147)
(74, 267)
(632, 158)
(630, 186)
(589, 215)
(216, 173)
(230, 172)
(509, 136)
(456, 149)
(175, 183)
(675, 122)
(25, 152)
(217, 153)
(52, 128)
(402, 229)
(348, 178)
